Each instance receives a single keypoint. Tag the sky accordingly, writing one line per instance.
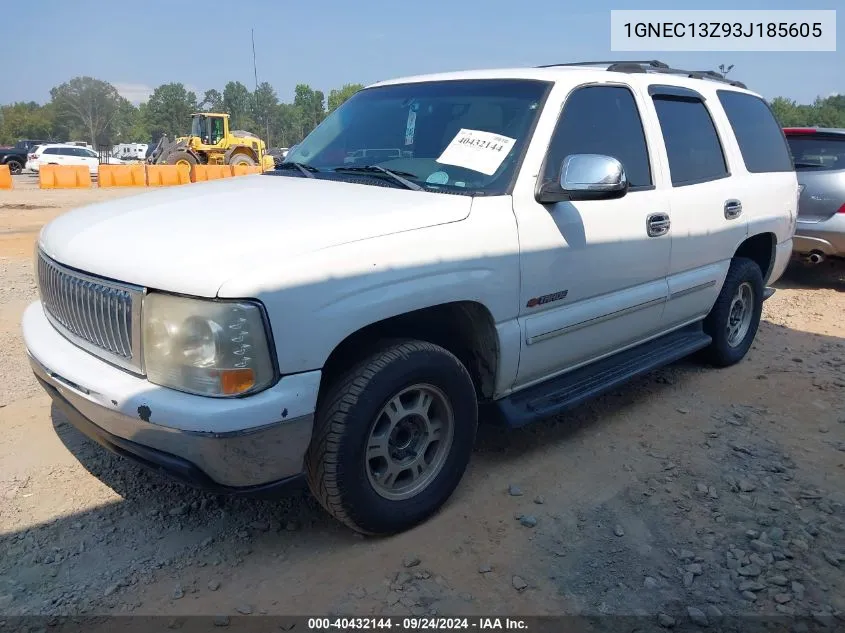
(139, 45)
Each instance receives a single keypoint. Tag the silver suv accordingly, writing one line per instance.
(819, 156)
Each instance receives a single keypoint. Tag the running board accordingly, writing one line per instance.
(575, 387)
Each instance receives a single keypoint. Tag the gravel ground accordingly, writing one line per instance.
(689, 496)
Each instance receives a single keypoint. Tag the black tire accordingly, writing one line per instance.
(336, 462)
(15, 166)
(242, 159)
(723, 352)
(178, 157)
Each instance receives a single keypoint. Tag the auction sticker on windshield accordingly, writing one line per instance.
(477, 150)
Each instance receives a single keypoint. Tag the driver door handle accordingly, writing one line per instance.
(657, 224)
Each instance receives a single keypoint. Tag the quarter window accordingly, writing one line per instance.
(692, 144)
(601, 120)
(757, 131)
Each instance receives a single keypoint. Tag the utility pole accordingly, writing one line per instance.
(257, 104)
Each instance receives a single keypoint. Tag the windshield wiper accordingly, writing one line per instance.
(805, 165)
(398, 176)
(308, 170)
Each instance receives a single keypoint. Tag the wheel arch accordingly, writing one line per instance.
(761, 249)
(240, 149)
(465, 328)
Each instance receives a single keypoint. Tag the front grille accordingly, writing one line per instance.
(98, 315)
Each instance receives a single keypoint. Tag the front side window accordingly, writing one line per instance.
(692, 144)
(757, 132)
(601, 120)
(460, 135)
(197, 126)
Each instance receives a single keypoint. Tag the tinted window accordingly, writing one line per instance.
(695, 153)
(51, 150)
(817, 152)
(601, 120)
(68, 151)
(757, 132)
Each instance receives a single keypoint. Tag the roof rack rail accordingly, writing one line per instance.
(653, 66)
(651, 62)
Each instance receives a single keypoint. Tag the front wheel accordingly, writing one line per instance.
(393, 437)
(15, 167)
(735, 317)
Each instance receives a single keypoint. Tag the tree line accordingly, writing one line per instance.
(92, 110)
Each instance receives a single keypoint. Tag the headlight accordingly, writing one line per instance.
(212, 348)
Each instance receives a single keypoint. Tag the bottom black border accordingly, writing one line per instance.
(821, 622)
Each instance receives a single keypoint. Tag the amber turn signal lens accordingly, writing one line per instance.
(235, 381)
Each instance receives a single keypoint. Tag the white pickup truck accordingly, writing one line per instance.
(534, 237)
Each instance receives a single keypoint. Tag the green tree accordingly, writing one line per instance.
(786, 112)
(264, 107)
(169, 109)
(311, 107)
(25, 120)
(237, 101)
(88, 104)
(287, 125)
(131, 124)
(338, 96)
(212, 101)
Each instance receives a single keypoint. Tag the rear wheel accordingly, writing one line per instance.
(15, 167)
(393, 437)
(735, 317)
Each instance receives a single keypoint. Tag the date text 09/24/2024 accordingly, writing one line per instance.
(415, 624)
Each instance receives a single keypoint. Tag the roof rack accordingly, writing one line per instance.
(652, 66)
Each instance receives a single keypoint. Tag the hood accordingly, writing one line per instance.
(192, 238)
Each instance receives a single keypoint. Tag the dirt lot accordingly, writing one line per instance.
(692, 493)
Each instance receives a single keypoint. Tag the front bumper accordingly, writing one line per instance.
(245, 444)
(826, 237)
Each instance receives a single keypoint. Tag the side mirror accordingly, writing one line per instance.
(586, 177)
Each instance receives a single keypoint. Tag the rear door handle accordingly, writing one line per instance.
(733, 209)
(657, 224)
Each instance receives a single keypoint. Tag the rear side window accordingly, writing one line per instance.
(757, 132)
(692, 144)
(817, 152)
(51, 150)
(601, 120)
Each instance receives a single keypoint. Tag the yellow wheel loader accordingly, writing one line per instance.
(212, 143)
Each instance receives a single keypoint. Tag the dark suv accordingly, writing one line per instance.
(15, 157)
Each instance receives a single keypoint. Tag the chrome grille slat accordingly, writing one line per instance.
(99, 315)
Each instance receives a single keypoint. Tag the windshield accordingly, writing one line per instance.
(817, 152)
(458, 135)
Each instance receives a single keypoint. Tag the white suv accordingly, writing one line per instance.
(536, 237)
(67, 154)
